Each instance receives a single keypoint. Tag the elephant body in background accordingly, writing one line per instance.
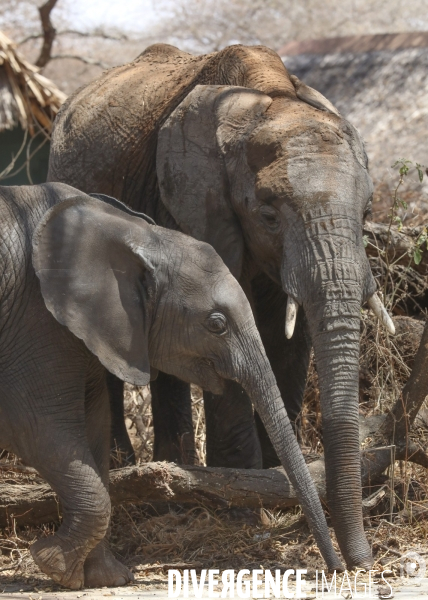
(233, 150)
(105, 140)
(88, 285)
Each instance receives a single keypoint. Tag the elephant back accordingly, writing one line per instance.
(105, 136)
(255, 67)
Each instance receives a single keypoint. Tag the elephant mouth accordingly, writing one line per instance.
(206, 376)
(199, 371)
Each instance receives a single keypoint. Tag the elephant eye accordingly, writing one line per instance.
(217, 323)
(269, 216)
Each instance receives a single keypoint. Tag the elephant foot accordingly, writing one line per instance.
(362, 561)
(60, 561)
(102, 569)
(355, 565)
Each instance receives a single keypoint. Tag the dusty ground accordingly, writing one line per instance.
(198, 538)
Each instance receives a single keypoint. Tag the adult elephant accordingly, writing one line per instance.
(231, 149)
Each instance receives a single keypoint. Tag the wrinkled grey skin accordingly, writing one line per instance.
(85, 285)
(233, 150)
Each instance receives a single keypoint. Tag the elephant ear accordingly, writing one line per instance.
(312, 96)
(211, 122)
(97, 279)
(121, 206)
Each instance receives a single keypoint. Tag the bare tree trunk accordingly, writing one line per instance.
(49, 32)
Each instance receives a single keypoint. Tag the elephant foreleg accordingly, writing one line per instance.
(48, 432)
(172, 420)
(289, 358)
(100, 567)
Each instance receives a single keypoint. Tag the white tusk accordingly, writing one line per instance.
(379, 310)
(290, 317)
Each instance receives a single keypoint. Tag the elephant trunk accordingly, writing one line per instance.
(335, 332)
(261, 386)
(330, 279)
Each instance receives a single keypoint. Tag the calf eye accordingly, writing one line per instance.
(217, 323)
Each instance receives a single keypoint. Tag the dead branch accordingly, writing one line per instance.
(416, 513)
(416, 455)
(414, 393)
(97, 33)
(49, 32)
(11, 165)
(34, 504)
(83, 59)
(86, 34)
(14, 468)
(395, 426)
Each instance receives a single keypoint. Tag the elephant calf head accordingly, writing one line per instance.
(140, 296)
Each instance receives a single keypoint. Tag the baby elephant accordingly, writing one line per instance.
(87, 284)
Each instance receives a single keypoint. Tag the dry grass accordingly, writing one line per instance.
(201, 537)
(197, 537)
(138, 418)
(27, 98)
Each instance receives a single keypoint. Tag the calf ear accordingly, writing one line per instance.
(122, 206)
(97, 279)
(208, 125)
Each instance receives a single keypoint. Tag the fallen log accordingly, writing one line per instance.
(32, 504)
